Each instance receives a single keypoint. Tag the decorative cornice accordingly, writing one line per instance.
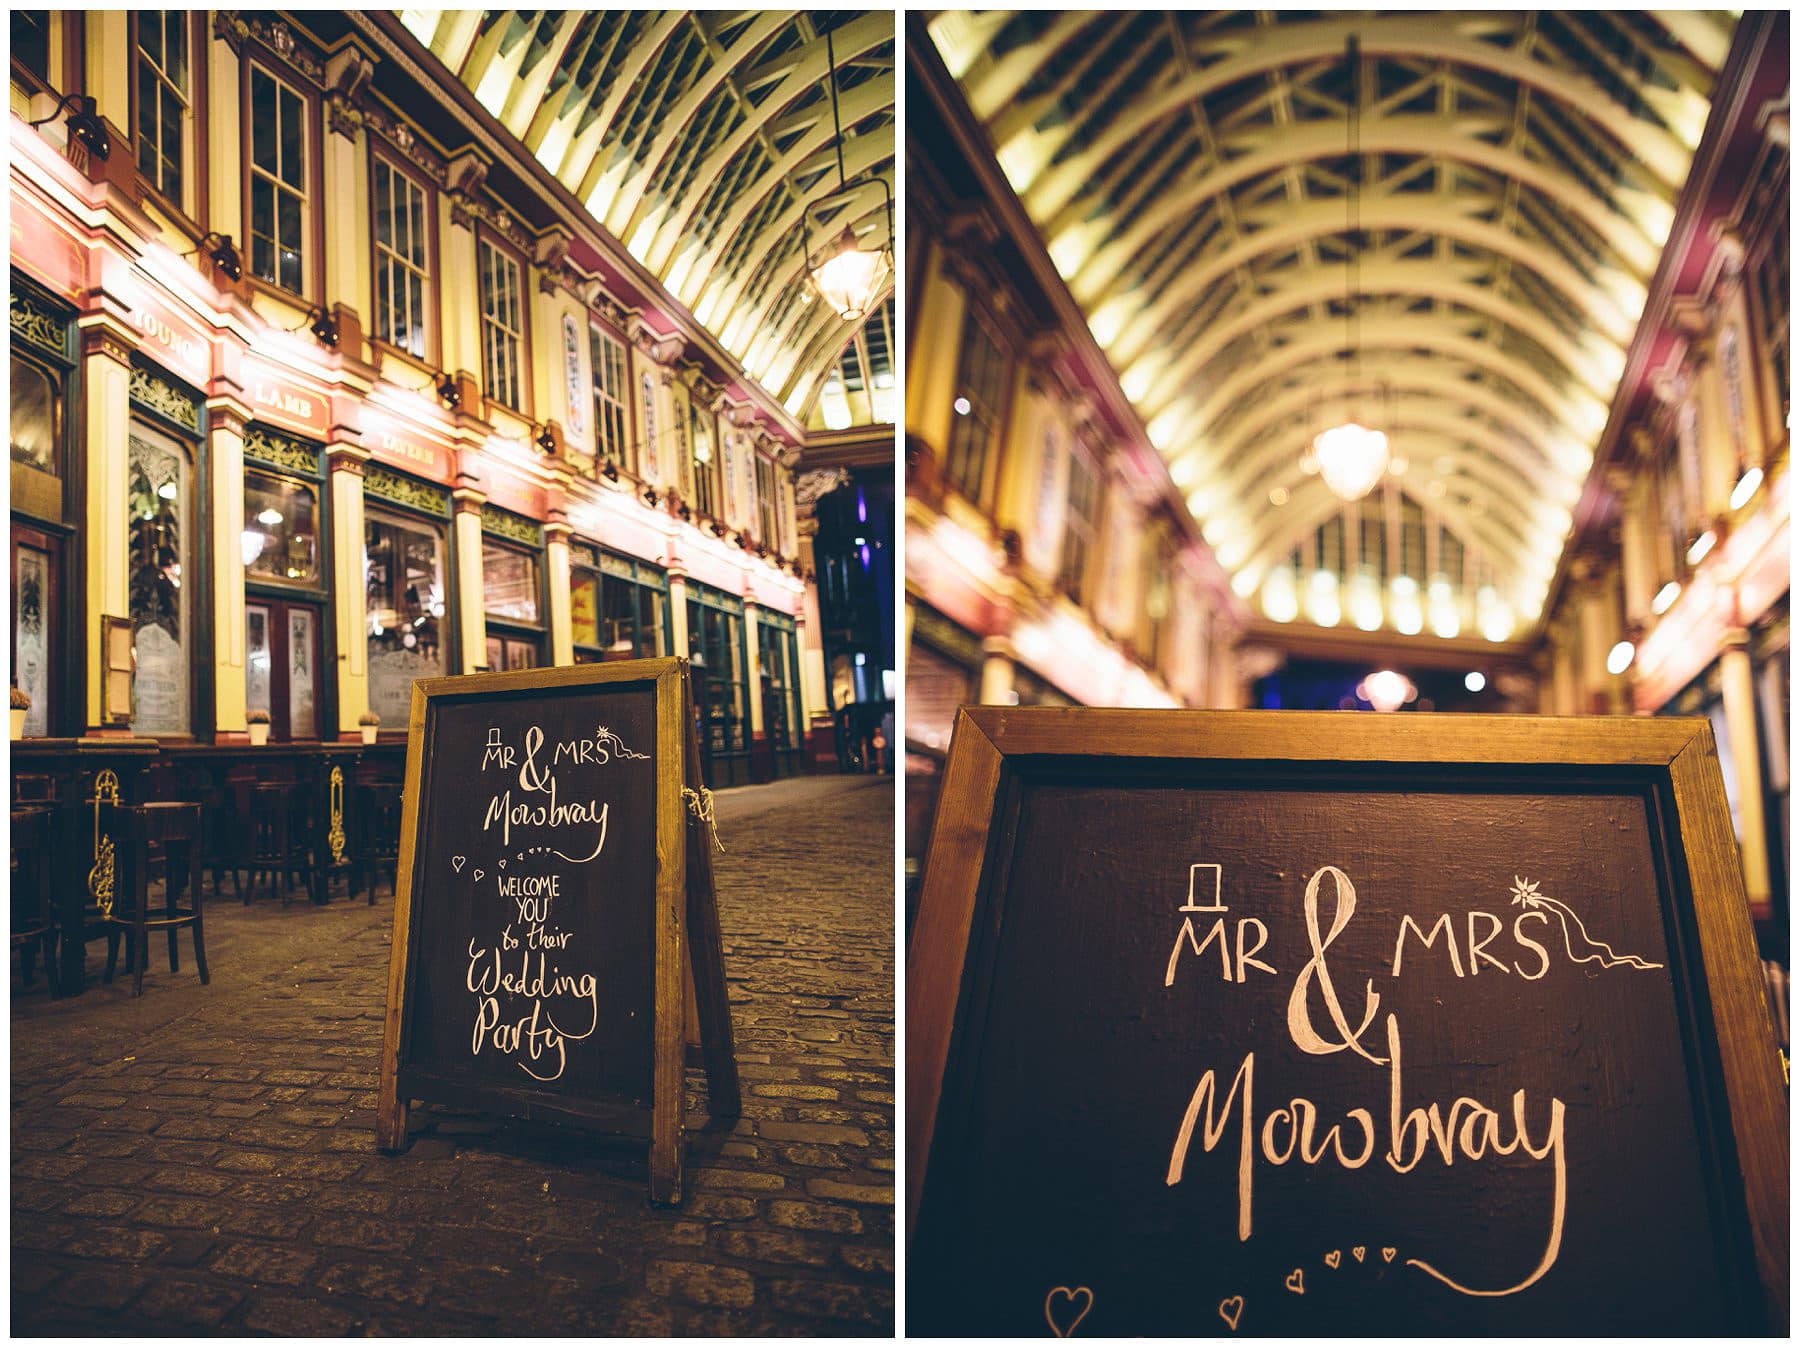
(280, 451)
(34, 322)
(508, 525)
(402, 490)
(163, 398)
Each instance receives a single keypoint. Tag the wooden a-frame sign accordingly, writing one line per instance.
(1334, 1023)
(556, 950)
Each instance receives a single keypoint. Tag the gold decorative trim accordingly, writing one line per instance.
(406, 491)
(163, 398)
(509, 525)
(335, 837)
(35, 323)
(266, 446)
(101, 877)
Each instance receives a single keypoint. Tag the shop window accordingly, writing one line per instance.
(402, 259)
(616, 617)
(281, 666)
(281, 530)
(975, 414)
(606, 354)
(502, 326)
(403, 566)
(158, 548)
(279, 207)
(512, 590)
(36, 415)
(780, 685)
(706, 468)
(1081, 525)
(164, 97)
(510, 582)
(31, 42)
(716, 654)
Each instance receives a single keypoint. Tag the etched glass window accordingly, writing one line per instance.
(403, 570)
(36, 409)
(160, 489)
(281, 529)
(509, 582)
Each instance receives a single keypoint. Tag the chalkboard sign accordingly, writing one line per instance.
(1293, 1023)
(550, 856)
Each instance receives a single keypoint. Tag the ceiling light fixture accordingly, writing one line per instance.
(1746, 488)
(847, 275)
(1665, 597)
(1352, 457)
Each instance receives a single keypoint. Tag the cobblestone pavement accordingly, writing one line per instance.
(203, 1159)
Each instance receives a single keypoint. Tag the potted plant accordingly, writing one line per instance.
(21, 703)
(370, 723)
(258, 721)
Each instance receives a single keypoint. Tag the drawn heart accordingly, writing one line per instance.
(1231, 1310)
(457, 863)
(1296, 1283)
(479, 872)
(1059, 1304)
(1359, 1251)
(1387, 1253)
(1333, 1259)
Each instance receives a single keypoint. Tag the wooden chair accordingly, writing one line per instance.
(377, 844)
(175, 827)
(34, 925)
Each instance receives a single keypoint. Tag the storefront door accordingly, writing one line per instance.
(282, 666)
(36, 558)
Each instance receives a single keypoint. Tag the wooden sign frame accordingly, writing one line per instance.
(1674, 758)
(689, 949)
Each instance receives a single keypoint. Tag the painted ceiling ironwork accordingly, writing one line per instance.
(701, 139)
(1518, 174)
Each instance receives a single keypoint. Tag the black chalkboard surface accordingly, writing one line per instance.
(1265, 1023)
(547, 863)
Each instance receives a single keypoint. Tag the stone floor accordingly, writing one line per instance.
(203, 1160)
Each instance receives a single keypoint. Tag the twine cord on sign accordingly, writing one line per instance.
(700, 803)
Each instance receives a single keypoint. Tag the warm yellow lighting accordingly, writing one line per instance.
(269, 516)
(1386, 690)
(1351, 459)
(1475, 681)
(1665, 597)
(1746, 488)
(1618, 659)
(1279, 600)
(1278, 496)
(850, 278)
(1322, 604)
(1405, 611)
(1365, 602)
(1700, 547)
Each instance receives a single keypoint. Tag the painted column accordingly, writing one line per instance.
(753, 666)
(224, 132)
(1634, 546)
(1718, 458)
(344, 461)
(556, 562)
(934, 342)
(1599, 631)
(107, 66)
(1746, 762)
(225, 418)
(1564, 698)
(678, 627)
(345, 174)
(812, 654)
(106, 377)
(471, 601)
(997, 673)
(460, 296)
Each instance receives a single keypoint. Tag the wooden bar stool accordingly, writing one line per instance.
(276, 847)
(34, 925)
(377, 833)
(175, 827)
